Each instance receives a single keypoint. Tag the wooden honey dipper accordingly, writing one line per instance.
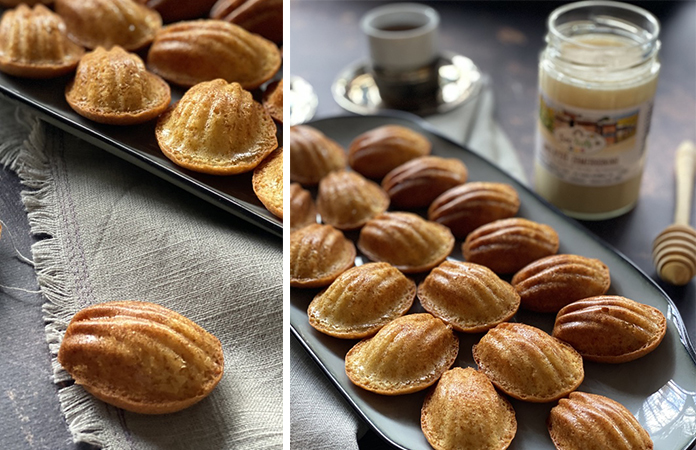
(674, 250)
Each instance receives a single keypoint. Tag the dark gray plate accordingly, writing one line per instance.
(137, 144)
(659, 389)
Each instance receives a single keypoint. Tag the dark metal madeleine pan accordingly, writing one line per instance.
(659, 389)
(137, 145)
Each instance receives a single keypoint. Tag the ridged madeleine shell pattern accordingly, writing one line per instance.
(347, 200)
(468, 296)
(318, 255)
(267, 182)
(217, 128)
(264, 17)
(416, 183)
(141, 357)
(407, 355)
(34, 43)
(594, 422)
(550, 283)
(466, 207)
(528, 364)
(507, 245)
(188, 53)
(114, 87)
(361, 301)
(105, 23)
(464, 411)
(377, 152)
(407, 241)
(303, 212)
(610, 328)
(313, 155)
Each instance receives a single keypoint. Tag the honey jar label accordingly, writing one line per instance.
(592, 147)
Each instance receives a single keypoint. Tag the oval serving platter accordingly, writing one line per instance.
(659, 389)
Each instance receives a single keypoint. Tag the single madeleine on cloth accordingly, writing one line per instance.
(216, 128)
(141, 356)
(114, 87)
(34, 43)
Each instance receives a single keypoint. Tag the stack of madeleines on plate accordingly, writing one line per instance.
(124, 59)
(404, 209)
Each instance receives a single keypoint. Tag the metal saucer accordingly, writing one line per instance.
(303, 100)
(460, 80)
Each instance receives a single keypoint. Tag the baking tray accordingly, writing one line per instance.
(137, 145)
(659, 389)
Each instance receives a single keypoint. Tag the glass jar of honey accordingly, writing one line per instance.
(597, 81)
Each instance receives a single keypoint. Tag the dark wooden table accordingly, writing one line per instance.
(504, 39)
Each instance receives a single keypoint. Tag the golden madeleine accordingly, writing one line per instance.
(114, 87)
(470, 297)
(550, 283)
(34, 43)
(407, 355)
(267, 182)
(273, 100)
(377, 152)
(141, 357)
(347, 200)
(216, 128)
(507, 245)
(263, 17)
(468, 206)
(361, 301)
(610, 328)
(405, 240)
(303, 212)
(313, 155)
(464, 411)
(528, 364)
(594, 422)
(106, 23)
(318, 255)
(416, 183)
(188, 53)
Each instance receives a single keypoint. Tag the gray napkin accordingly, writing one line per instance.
(115, 232)
(320, 418)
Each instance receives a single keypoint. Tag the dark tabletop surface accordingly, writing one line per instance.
(504, 39)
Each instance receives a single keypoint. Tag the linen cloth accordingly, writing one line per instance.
(320, 418)
(114, 232)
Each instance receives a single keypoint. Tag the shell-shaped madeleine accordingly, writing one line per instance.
(273, 100)
(594, 422)
(407, 355)
(264, 17)
(361, 301)
(267, 182)
(464, 411)
(528, 364)
(105, 23)
(550, 283)
(610, 328)
(406, 241)
(313, 155)
(468, 296)
(188, 53)
(216, 128)
(507, 245)
(113, 87)
(468, 206)
(377, 152)
(303, 212)
(34, 44)
(416, 183)
(347, 200)
(141, 357)
(318, 255)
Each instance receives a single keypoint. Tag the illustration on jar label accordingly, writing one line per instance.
(592, 147)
